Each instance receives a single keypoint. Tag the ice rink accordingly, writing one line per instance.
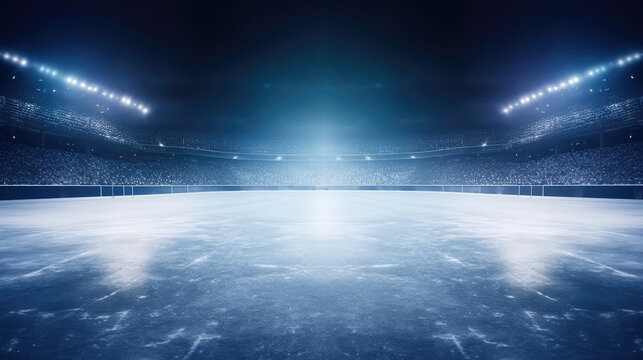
(323, 275)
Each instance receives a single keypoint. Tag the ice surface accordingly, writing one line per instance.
(344, 274)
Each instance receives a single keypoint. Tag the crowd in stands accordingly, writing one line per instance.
(621, 164)
(44, 111)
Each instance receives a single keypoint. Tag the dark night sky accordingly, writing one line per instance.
(323, 66)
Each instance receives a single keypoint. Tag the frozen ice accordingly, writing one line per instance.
(321, 274)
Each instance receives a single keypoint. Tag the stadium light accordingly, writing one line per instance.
(412, 156)
(21, 61)
(279, 158)
(575, 79)
(235, 157)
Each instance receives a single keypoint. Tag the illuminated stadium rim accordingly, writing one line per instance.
(73, 82)
(571, 81)
(161, 148)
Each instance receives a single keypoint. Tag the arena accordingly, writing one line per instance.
(280, 181)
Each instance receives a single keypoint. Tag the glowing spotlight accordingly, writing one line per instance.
(412, 156)
(54, 73)
(74, 81)
(82, 85)
(367, 158)
(505, 110)
(484, 144)
(111, 96)
(278, 158)
(235, 157)
(145, 110)
(621, 62)
(590, 73)
(161, 145)
(562, 85)
(540, 93)
(576, 79)
(549, 89)
(42, 68)
(23, 62)
(15, 59)
(104, 93)
(6, 56)
(555, 88)
(628, 59)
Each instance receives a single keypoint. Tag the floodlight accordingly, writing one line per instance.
(279, 158)
(621, 62)
(412, 156)
(23, 62)
(6, 56)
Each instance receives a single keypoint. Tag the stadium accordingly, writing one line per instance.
(509, 228)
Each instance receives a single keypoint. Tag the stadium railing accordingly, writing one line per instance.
(19, 192)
